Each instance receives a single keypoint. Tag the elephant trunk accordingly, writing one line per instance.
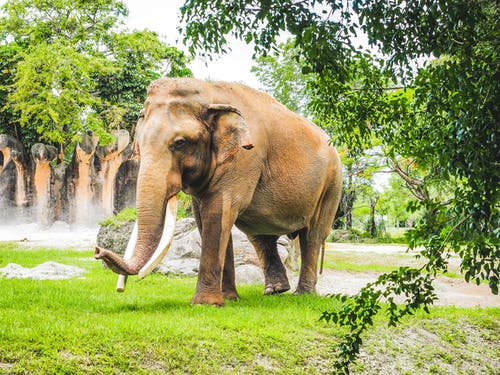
(154, 230)
(141, 259)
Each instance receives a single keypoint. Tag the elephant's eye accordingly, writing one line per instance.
(179, 143)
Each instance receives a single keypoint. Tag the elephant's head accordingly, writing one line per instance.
(181, 140)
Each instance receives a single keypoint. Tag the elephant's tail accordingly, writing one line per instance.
(322, 258)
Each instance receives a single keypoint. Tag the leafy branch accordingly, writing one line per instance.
(357, 313)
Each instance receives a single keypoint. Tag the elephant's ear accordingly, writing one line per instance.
(229, 130)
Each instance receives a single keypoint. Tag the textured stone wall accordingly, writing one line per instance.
(98, 182)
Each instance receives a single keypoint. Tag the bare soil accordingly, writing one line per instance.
(450, 291)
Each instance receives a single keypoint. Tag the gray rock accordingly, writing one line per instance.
(185, 245)
(115, 239)
(244, 252)
(182, 267)
(249, 274)
(289, 250)
(44, 271)
(184, 226)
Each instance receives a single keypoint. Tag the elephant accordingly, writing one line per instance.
(246, 160)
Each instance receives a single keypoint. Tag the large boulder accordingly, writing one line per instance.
(187, 241)
(249, 274)
(244, 252)
(115, 237)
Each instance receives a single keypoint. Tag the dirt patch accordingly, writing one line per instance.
(450, 291)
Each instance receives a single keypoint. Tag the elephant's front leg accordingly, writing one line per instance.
(228, 275)
(217, 221)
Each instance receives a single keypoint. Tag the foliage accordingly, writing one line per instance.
(443, 122)
(184, 208)
(54, 88)
(394, 201)
(124, 216)
(282, 77)
(71, 67)
(141, 58)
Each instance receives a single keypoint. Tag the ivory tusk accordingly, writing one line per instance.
(129, 251)
(166, 238)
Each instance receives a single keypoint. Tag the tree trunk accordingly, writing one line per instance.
(348, 203)
(373, 225)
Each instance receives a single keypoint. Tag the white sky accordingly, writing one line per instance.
(163, 16)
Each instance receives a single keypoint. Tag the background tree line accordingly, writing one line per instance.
(68, 67)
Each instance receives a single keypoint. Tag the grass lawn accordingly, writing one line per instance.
(82, 326)
(379, 262)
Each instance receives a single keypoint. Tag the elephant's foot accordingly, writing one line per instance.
(230, 294)
(273, 289)
(277, 286)
(206, 298)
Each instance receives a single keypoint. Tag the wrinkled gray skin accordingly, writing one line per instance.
(246, 160)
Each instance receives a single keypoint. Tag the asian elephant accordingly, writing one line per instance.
(246, 160)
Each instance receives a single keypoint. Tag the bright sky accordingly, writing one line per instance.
(163, 16)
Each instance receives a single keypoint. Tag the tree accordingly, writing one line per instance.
(282, 77)
(71, 67)
(394, 200)
(54, 90)
(358, 175)
(140, 58)
(444, 119)
(9, 55)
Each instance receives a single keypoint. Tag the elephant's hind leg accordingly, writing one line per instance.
(313, 237)
(309, 252)
(275, 277)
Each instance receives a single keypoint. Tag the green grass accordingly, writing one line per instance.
(82, 326)
(124, 216)
(391, 236)
(377, 262)
(368, 261)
